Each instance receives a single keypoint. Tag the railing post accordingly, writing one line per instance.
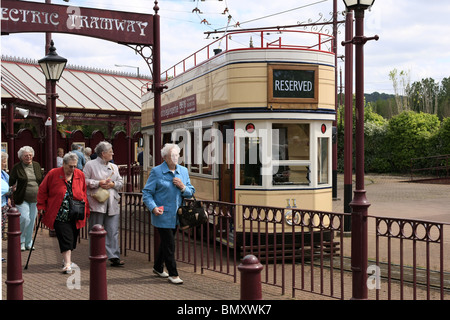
(97, 284)
(250, 269)
(14, 280)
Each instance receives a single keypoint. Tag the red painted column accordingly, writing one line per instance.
(14, 280)
(348, 130)
(97, 283)
(359, 204)
(250, 269)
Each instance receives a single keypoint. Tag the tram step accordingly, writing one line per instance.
(275, 252)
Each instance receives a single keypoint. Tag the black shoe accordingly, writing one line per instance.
(116, 262)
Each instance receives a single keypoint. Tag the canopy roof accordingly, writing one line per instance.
(82, 91)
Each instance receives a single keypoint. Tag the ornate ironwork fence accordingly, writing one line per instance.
(407, 258)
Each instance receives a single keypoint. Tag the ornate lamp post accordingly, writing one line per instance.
(53, 66)
(359, 204)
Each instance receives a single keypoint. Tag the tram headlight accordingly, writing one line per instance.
(291, 218)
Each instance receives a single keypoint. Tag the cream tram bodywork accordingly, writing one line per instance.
(254, 124)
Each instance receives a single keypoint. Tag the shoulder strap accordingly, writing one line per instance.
(112, 169)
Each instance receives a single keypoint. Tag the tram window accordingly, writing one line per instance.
(293, 141)
(195, 166)
(323, 158)
(167, 138)
(150, 152)
(250, 167)
(206, 165)
(291, 175)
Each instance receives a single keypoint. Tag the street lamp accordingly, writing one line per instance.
(53, 66)
(359, 204)
(358, 4)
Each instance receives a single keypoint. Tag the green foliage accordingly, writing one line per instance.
(444, 137)
(391, 144)
(410, 135)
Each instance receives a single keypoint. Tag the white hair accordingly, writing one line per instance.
(70, 156)
(102, 146)
(23, 150)
(168, 147)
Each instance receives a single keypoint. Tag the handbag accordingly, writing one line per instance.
(102, 194)
(76, 209)
(192, 215)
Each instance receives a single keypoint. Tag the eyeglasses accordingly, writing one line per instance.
(71, 167)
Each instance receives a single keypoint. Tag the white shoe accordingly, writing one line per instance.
(22, 247)
(67, 269)
(176, 280)
(161, 274)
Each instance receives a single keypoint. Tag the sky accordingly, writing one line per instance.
(414, 35)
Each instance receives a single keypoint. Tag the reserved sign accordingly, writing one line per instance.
(292, 83)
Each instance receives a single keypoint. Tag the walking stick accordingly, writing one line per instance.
(34, 239)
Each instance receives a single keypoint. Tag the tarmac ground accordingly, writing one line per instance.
(389, 196)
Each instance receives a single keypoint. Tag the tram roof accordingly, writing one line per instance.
(80, 89)
(255, 42)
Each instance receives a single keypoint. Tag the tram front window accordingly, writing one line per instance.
(250, 163)
(293, 141)
(290, 152)
(291, 175)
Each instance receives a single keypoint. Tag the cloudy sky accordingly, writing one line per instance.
(414, 35)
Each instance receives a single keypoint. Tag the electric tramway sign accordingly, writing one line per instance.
(117, 26)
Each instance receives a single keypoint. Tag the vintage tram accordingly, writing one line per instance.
(252, 113)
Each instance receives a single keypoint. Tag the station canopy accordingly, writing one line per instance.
(84, 93)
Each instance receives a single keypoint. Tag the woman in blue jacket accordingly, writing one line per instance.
(163, 194)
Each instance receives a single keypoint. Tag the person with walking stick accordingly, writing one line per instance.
(55, 200)
(27, 176)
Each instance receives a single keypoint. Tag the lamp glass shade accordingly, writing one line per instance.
(358, 4)
(52, 65)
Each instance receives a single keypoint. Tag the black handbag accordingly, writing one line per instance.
(76, 209)
(192, 215)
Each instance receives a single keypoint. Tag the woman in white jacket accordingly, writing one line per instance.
(101, 173)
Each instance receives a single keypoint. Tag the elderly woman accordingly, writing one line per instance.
(28, 176)
(59, 185)
(101, 173)
(163, 194)
(6, 192)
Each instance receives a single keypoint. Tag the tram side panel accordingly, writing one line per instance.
(243, 86)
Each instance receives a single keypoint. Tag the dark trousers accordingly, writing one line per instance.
(166, 252)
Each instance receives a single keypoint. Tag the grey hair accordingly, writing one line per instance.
(87, 150)
(102, 147)
(4, 155)
(70, 156)
(169, 146)
(23, 150)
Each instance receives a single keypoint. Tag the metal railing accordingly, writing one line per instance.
(250, 40)
(430, 168)
(407, 258)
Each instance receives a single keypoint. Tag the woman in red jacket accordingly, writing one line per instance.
(58, 186)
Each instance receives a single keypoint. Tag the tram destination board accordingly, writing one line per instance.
(292, 84)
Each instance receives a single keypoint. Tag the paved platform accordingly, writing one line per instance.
(389, 196)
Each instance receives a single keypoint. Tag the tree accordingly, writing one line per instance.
(424, 96)
(444, 99)
(401, 82)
